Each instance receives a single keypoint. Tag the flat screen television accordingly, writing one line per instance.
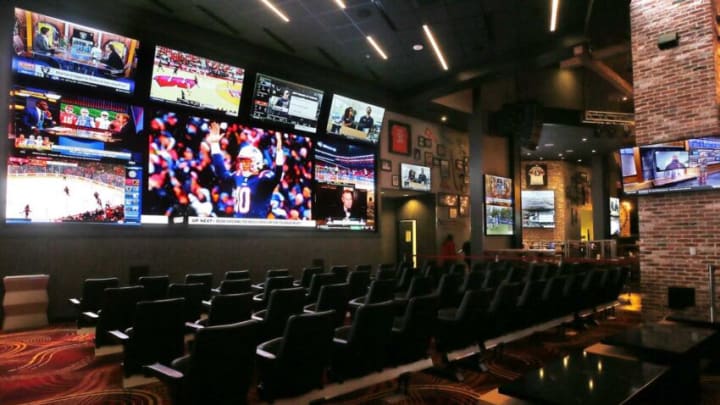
(345, 185)
(73, 159)
(355, 119)
(207, 172)
(188, 80)
(686, 165)
(58, 50)
(499, 217)
(286, 103)
(415, 177)
(538, 208)
(614, 216)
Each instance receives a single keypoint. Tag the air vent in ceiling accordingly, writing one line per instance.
(279, 40)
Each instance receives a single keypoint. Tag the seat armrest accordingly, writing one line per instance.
(119, 336)
(91, 315)
(164, 372)
(340, 341)
(206, 304)
(74, 301)
(258, 297)
(194, 326)
(259, 315)
(215, 291)
(269, 348)
(343, 332)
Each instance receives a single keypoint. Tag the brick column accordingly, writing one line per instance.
(676, 93)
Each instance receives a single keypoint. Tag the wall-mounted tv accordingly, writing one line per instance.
(355, 119)
(286, 103)
(415, 177)
(54, 49)
(207, 172)
(538, 208)
(691, 164)
(73, 159)
(345, 185)
(499, 217)
(192, 81)
(614, 216)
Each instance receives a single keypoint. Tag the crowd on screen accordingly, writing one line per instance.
(183, 181)
(195, 64)
(107, 214)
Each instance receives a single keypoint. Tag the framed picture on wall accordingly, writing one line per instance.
(464, 205)
(421, 141)
(441, 150)
(400, 138)
(444, 168)
(395, 180)
(385, 165)
(499, 216)
(452, 212)
(416, 154)
(436, 162)
(428, 159)
(536, 175)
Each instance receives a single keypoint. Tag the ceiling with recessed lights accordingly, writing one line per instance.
(480, 40)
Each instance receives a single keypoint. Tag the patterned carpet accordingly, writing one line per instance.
(57, 366)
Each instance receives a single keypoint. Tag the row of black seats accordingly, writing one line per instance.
(219, 367)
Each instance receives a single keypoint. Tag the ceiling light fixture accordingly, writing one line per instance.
(553, 15)
(340, 4)
(418, 47)
(276, 10)
(377, 47)
(443, 118)
(584, 139)
(435, 46)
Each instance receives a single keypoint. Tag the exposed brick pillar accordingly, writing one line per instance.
(677, 92)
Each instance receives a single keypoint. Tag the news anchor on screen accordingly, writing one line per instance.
(348, 208)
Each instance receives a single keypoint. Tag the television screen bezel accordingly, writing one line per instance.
(404, 167)
(68, 145)
(370, 221)
(158, 217)
(499, 203)
(524, 196)
(288, 83)
(201, 109)
(26, 66)
(377, 123)
(665, 186)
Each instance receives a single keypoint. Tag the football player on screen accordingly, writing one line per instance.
(252, 184)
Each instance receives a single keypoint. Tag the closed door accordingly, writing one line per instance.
(407, 245)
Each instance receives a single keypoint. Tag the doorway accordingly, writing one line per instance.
(407, 241)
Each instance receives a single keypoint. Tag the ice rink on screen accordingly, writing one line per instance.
(48, 200)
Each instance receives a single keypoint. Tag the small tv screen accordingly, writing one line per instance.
(614, 207)
(687, 165)
(192, 81)
(207, 172)
(58, 50)
(355, 119)
(286, 103)
(73, 159)
(345, 185)
(499, 216)
(538, 208)
(415, 177)
(671, 160)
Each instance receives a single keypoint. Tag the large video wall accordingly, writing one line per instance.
(105, 128)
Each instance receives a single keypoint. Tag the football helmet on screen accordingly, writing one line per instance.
(250, 160)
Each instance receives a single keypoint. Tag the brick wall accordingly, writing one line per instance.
(676, 96)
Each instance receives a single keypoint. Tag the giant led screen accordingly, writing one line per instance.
(73, 159)
(203, 171)
(58, 50)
